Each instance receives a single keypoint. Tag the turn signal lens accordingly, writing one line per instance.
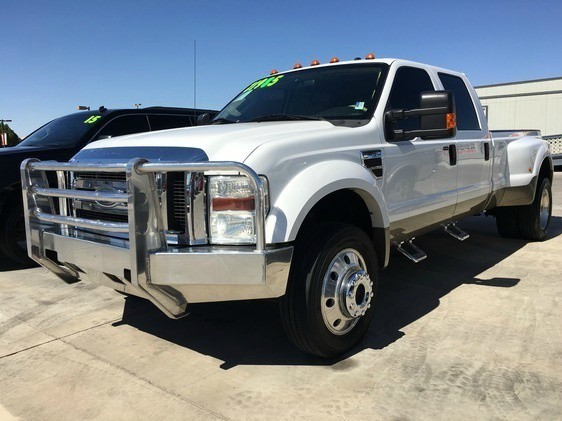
(297, 66)
(334, 60)
(221, 204)
(273, 72)
(370, 56)
(314, 63)
(451, 120)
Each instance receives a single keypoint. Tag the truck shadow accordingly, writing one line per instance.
(250, 332)
(7, 265)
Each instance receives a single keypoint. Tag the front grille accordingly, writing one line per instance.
(109, 176)
(177, 202)
(172, 186)
(100, 182)
(101, 216)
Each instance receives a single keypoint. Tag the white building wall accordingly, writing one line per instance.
(524, 105)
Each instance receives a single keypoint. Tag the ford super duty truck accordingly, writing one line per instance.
(298, 190)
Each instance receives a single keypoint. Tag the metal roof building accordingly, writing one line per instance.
(531, 104)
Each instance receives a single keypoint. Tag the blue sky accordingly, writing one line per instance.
(55, 55)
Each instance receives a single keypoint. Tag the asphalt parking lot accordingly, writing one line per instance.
(473, 332)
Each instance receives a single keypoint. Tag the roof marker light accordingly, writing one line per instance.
(334, 60)
(297, 66)
(370, 56)
(273, 72)
(314, 63)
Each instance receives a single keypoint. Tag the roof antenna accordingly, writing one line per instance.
(194, 80)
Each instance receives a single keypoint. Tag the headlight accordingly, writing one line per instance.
(232, 210)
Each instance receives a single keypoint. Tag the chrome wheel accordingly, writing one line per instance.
(347, 290)
(333, 282)
(534, 218)
(544, 209)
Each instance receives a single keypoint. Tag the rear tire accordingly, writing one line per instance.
(507, 222)
(329, 301)
(534, 218)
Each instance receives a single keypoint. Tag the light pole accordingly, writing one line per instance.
(138, 105)
(2, 133)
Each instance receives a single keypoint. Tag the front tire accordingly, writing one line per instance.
(329, 301)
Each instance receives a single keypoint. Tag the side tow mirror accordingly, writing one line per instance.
(442, 124)
(437, 115)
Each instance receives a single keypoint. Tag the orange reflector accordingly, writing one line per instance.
(297, 66)
(334, 60)
(370, 56)
(273, 72)
(314, 63)
(451, 120)
(233, 204)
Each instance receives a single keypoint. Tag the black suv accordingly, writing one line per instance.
(60, 140)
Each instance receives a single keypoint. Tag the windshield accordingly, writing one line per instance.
(63, 131)
(336, 93)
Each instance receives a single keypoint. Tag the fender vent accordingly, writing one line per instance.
(372, 160)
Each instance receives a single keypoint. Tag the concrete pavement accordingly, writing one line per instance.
(472, 332)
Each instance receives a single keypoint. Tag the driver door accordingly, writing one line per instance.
(420, 180)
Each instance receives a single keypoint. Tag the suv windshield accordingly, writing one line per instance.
(63, 131)
(346, 93)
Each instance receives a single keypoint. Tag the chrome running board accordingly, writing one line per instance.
(411, 251)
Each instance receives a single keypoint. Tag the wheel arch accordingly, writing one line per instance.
(546, 168)
(338, 191)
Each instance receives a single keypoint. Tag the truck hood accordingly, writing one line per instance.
(224, 142)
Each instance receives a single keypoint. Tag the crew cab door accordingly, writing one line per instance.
(420, 176)
(473, 148)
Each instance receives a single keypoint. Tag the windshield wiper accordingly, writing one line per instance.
(284, 117)
(222, 121)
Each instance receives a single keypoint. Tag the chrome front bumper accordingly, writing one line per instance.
(144, 264)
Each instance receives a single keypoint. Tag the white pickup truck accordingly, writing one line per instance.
(297, 190)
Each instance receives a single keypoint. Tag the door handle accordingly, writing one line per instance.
(452, 154)
(486, 151)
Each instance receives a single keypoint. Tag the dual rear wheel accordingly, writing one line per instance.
(531, 221)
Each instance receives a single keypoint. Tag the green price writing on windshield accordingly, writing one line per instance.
(263, 83)
(92, 119)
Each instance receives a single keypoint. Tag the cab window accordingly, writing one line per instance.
(408, 84)
(466, 114)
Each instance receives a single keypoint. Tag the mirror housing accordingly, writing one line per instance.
(203, 119)
(437, 115)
